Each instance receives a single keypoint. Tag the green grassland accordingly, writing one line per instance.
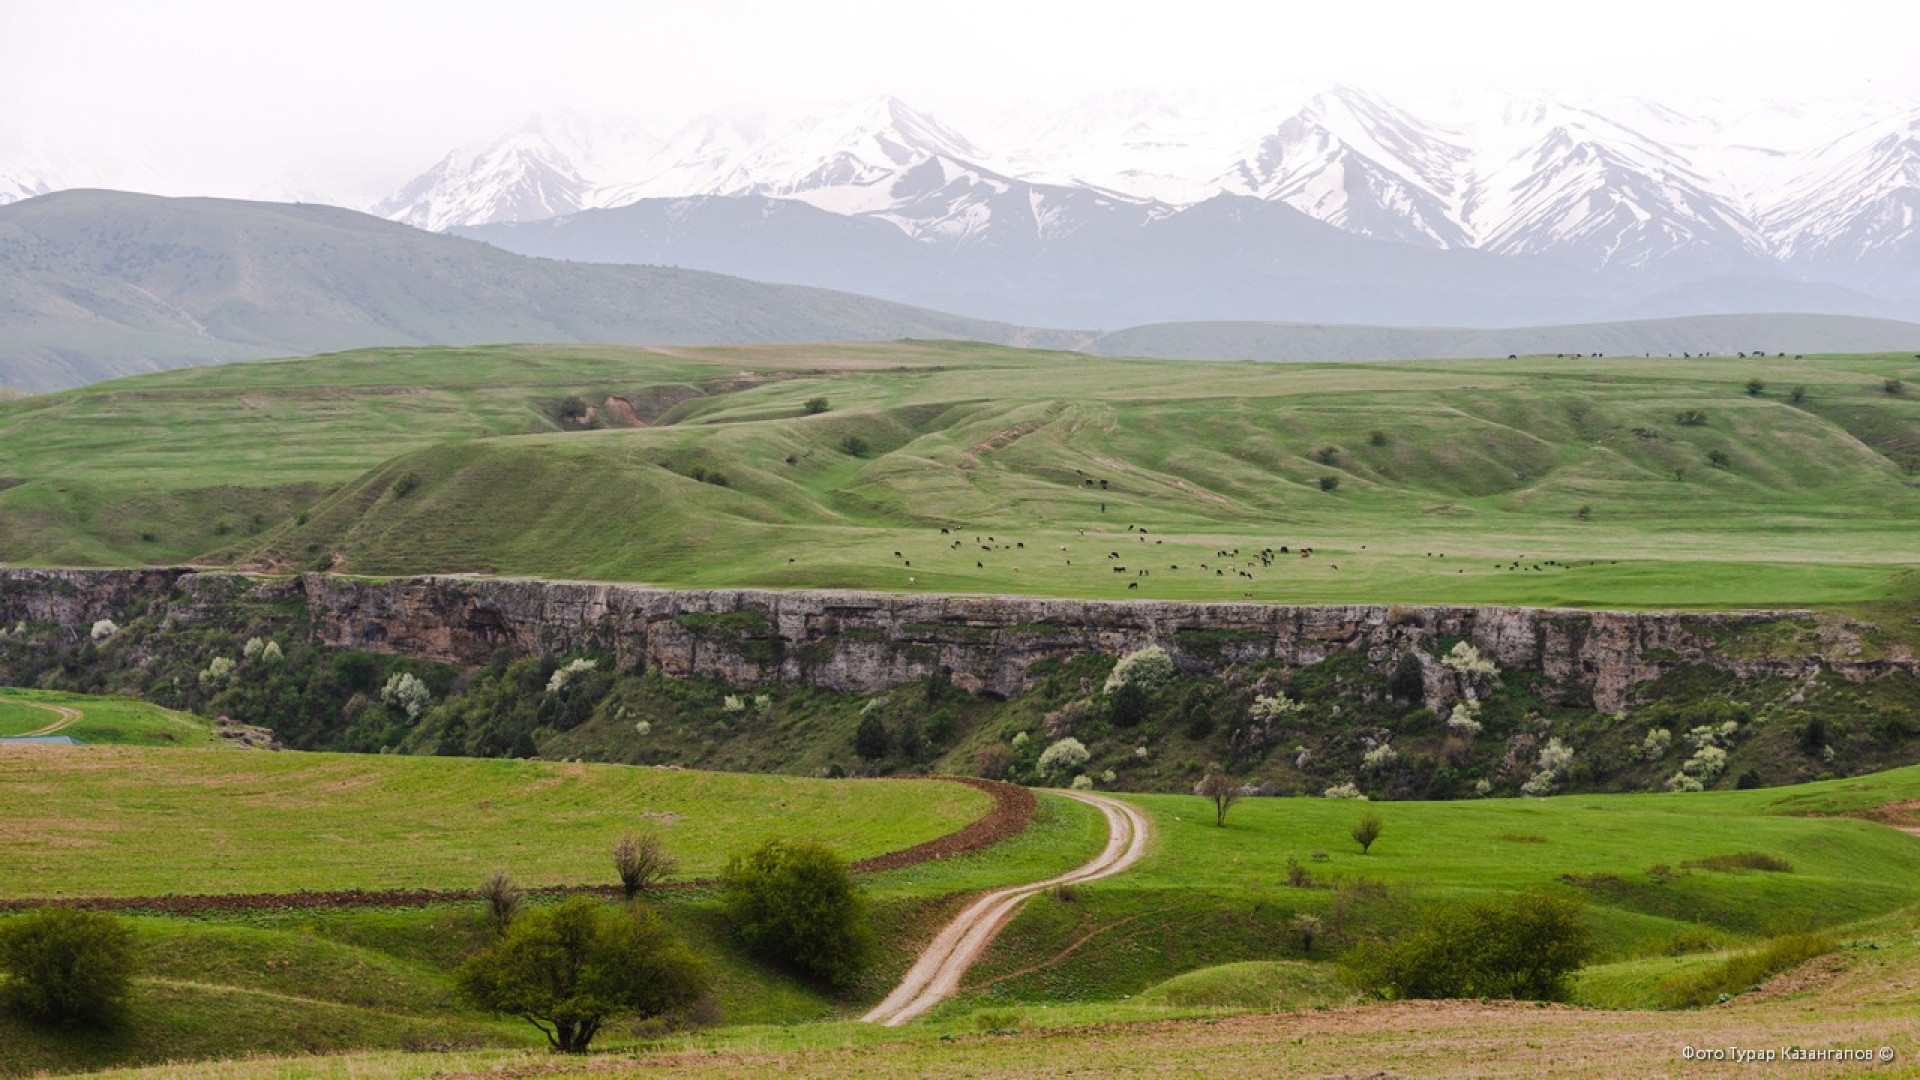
(1208, 896)
(126, 821)
(1449, 473)
(102, 720)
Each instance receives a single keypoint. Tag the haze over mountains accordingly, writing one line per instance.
(1336, 205)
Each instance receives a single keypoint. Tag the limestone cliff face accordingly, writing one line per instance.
(870, 641)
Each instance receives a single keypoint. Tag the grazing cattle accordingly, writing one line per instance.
(1133, 584)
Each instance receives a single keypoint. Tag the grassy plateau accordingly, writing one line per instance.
(100, 719)
(1628, 482)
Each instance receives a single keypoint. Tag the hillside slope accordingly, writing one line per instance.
(97, 284)
(1444, 482)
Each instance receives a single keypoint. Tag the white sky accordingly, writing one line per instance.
(223, 96)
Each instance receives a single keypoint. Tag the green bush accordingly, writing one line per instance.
(1742, 971)
(1523, 947)
(65, 967)
(795, 901)
(568, 969)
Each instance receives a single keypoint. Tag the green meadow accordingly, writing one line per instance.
(130, 821)
(1540, 481)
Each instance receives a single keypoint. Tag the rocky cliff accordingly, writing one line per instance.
(870, 641)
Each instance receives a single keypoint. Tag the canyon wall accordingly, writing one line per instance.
(856, 641)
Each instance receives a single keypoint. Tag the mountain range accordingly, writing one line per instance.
(97, 284)
(1495, 210)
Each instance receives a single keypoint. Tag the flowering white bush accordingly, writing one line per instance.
(734, 703)
(405, 691)
(1020, 740)
(217, 671)
(1554, 759)
(1464, 719)
(1713, 734)
(1083, 782)
(251, 650)
(1142, 753)
(1108, 776)
(1654, 746)
(1146, 669)
(1343, 791)
(565, 673)
(1064, 756)
(1466, 660)
(762, 702)
(102, 630)
(1272, 708)
(1483, 788)
(1380, 756)
(1680, 781)
(643, 727)
(271, 653)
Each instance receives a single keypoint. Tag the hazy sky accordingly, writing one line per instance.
(222, 96)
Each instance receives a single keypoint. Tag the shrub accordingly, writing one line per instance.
(993, 761)
(1128, 704)
(1523, 947)
(1464, 720)
(1274, 707)
(870, 739)
(1755, 387)
(642, 862)
(1894, 387)
(1742, 971)
(1466, 660)
(816, 405)
(502, 897)
(103, 630)
(271, 653)
(1308, 929)
(1298, 877)
(734, 703)
(1327, 455)
(64, 967)
(1329, 483)
(796, 902)
(564, 674)
(1064, 756)
(406, 692)
(1145, 668)
(1343, 791)
(1408, 682)
(1718, 459)
(568, 969)
(217, 671)
(1742, 860)
(1368, 829)
(1376, 438)
(1798, 395)
(1690, 418)
(1083, 782)
(854, 446)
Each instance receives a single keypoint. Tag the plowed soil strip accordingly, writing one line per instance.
(1013, 808)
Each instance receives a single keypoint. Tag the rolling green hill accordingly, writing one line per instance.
(94, 719)
(96, 284)
(1442, 481)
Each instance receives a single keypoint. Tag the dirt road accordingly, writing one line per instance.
(937, 974)
(66, 716)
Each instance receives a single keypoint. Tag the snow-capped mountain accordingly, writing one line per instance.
(1660, 196)
(1571, 183)
(536, 169)
(1364, 165)
(1856, 212)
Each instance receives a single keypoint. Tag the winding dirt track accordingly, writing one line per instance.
(937, 974)
(67, 717)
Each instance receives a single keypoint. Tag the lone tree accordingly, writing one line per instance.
(642, 862)
(870, 739)
(796, 902)
(63, 967)
(816, 406)
(1368, 829)
(567, 970)
(1222, 789)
